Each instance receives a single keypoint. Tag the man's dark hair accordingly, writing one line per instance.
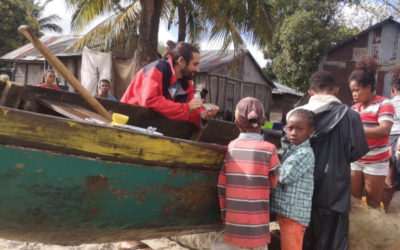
(322, 80)
(203, 93)
(106, 81)
(185, 50)
(48, 71)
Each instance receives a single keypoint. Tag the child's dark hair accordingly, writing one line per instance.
(48, 71)
(177, 50)
(364, 72)
(396, 78)
(203, 93)
(106, 81)
(322, 80)
(307, 114)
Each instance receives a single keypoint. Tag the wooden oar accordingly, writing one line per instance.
(60, 67)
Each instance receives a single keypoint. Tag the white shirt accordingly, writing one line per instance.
(396, 122)
(317, 103)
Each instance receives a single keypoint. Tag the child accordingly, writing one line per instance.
(249, 171)
(291, 200)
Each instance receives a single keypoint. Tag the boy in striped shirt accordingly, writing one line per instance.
(249, 171)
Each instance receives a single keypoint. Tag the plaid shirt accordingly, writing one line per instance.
(293, 195)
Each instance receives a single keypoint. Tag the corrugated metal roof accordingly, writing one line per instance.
(380, 41)
(283, 89)
(377, 25)
(210, 59)
(213, 59)
(56, 44)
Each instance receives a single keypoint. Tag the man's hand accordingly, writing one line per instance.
(208, 114)
(194, 104)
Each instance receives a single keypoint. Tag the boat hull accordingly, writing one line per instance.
(65, 199)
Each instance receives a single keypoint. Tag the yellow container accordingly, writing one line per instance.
(119, 118)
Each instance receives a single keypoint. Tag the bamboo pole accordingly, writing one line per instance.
(60, 67)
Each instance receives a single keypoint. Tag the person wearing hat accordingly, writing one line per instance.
(248, 172)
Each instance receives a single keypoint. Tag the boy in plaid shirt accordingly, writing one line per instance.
(291, 199)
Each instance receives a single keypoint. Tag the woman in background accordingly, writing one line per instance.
(377, 115)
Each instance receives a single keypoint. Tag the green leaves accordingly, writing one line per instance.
(302, 36)
(13, 14)
(223, 21)
(46, 23)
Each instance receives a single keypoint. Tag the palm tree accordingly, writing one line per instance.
(189, 20)
(46, 23)
(225, 21)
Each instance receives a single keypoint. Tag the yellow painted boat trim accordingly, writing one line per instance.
(106, 141)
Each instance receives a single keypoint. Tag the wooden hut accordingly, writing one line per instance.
(229, 77)
(27, 64)
(380, 41)
(284, 99)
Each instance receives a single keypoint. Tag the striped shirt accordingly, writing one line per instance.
(249, 170)
(396, 123)
(381, 109)
(292, 197)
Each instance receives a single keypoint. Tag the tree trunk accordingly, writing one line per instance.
(146, 51)
(182, 23)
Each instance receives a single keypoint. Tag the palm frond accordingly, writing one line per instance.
(51, 27)
(229, 21)
(114, 30)
(48, 19)
(85, 11)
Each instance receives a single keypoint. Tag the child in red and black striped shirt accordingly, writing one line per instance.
(249, 171)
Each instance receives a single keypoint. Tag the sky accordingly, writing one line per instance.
(353, 17)
(59, 7)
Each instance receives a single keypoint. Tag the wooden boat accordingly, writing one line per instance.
(69, 181)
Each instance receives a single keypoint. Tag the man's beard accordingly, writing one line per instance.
(189, 75)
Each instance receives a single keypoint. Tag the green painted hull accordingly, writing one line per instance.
(69, 182)
(63, 199)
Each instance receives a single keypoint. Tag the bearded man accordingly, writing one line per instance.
(165, 86)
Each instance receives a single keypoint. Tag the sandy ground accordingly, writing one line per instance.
(201, 241)
(365, 222)
(162, 243)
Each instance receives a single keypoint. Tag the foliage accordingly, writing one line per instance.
(14, 13)
(225, 21)
(47, 23)
(303, 32)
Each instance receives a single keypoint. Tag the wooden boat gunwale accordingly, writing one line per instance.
(117, 181)
(12, 118)
(182, 174)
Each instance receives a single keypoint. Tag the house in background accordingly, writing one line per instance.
(380, 41)
(28, 64)
(230, 77)
(284, 99)
(227, 76)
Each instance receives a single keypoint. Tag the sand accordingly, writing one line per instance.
(370, 229)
